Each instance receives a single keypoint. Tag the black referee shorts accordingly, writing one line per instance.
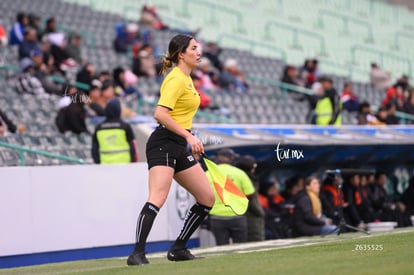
(166, 148)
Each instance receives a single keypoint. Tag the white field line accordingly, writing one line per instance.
(280, 243)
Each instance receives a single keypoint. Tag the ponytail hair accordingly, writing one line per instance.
(166, 64)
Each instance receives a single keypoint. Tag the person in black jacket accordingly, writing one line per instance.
(408, 198)
(72, 117)
(386, 207)
(308, 219)
(366, 210)
(331, 198)
(353, 203)
(86, 75)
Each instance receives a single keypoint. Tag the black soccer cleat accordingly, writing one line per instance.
(182, 254)
(137, 259)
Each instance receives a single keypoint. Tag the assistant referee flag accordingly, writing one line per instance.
(227, 191)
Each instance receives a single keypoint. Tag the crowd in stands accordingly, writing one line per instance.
(396, 97)
(45, 51)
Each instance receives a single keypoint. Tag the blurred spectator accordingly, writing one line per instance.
(72, 117)
(205, 99)
(4, 40)
(317, 92)
(407, 198)
(328, 107)
(403, 81)
(331, 198)
(212, 52)
(113, 141)
(207, 74)
(73, 48)
(409, 102)
(41, 72)
(47, 56)
(150, 19)
(126, 36)
(352, 201)
(122, 86)
(391, 119)
(366, 116)
(6, 125)
(276, 214)
(309, 73)
(26, 81)
(104, 76)
(34, 23)
(382, 115)
(366, 209)
(232, 79)
(108, 93)
(50, 27)
(293, 185)
(379, 78)
(29, 43)
(63, 61)
(143, 63)
(16, 34)
(255, 213)
(86, 74)
(317, 88)
(96, 102)
(308, 218)
(395, 95)
(349, 100)
(121, 39)
(224, 223)
(291, 76)
(387, 208)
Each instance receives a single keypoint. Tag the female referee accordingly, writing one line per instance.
(167, 153)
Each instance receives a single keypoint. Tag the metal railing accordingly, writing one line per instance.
(345, 22)
(8, 67)
(62, 80)
(252, 44)
(400, 34)
(283, 86)
(381, 55)
(350, 70)
(295, 33)
(213, 9)
(22, 149)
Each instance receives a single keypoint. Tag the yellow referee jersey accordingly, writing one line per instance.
(179, 95)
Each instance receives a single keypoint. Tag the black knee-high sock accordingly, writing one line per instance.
(145, 220)
(193, 219)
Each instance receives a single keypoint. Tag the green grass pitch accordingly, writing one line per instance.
(351, 253)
